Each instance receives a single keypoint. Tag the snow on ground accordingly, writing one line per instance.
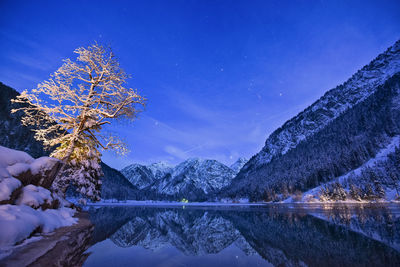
(19, 222)
(9, 157)
(380, 156)
(34, 196)
(7, 186)
(14, 162)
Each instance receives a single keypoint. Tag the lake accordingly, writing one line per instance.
(271, 235)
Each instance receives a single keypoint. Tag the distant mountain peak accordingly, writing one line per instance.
(139, 175)
(193, 178)
(238, 164)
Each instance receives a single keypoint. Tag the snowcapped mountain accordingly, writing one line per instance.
(139, 175)
(160, 169)
(337, 133)
(143, 176)
(315, 117)
(238, 164)
(194, 179)
(195, 174)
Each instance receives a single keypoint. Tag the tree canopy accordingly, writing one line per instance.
(70, 109)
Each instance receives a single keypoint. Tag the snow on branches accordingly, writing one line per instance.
(69, 110)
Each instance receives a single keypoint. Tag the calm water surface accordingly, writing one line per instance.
(275, 235)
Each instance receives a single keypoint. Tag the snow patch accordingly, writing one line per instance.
(7, 186)
(34, 196)
(19, 222)
(380, 156)
(10, 157)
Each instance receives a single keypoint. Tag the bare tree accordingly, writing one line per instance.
(70, 109)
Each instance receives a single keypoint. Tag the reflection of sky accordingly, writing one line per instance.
(219, 75)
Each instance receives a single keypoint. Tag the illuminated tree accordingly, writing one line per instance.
(70, 109)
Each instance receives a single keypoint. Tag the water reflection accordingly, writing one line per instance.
(280, 235)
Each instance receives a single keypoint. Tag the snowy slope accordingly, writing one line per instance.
(203, 174)
(194, 178)
(143, 176)
(160, 169)
(295, 149)
(329, 107)
(139, 175)
(238, 165)
(381, 156)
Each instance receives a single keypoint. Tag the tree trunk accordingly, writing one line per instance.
(62, 187)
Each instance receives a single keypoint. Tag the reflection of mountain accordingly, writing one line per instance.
(312, 241)
(281, 237)
(206, 234)
(364, 221)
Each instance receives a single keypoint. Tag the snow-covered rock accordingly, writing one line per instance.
(8, 188)
(8, 184)
(10, 157)
(34, 196)
(19, 222)
(28, 170)
(33, 206)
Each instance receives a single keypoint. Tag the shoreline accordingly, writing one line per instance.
(221, 204)
(62, 247)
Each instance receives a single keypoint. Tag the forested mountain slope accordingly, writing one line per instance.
(12, 133)
(339, 132)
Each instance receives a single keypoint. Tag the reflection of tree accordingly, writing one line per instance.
(328, 235)
(311, 240)
(376, 221)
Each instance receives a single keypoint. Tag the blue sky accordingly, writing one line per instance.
(219, 76)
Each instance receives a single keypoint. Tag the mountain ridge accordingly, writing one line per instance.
(378, 82)
(194, 178)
